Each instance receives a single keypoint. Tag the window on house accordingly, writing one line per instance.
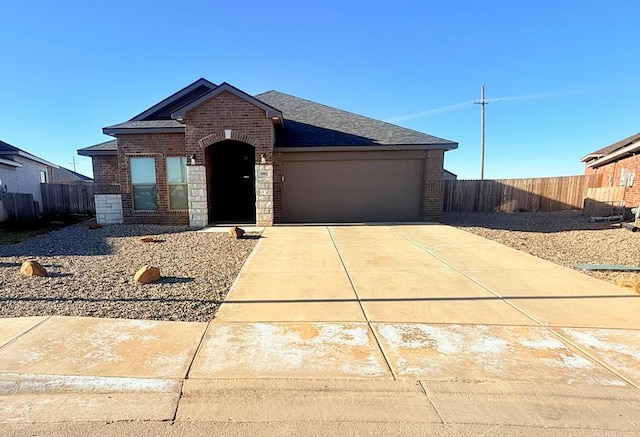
(177, 182)
(143, 182)
(43, 177)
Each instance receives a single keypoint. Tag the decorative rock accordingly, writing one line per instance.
(148, 239)
(147, 275)
(94, 225)
(236, 232)
(32, 268)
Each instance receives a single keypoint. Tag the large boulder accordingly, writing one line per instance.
(147, 275)
(236, 232)
(32, 268)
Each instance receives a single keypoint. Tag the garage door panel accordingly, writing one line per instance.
(365, 190)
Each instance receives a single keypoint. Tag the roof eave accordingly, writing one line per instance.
(139, 130)
(90, 153)
(629, 150)
(591, 156)
(35, 158)
(10, 163)
(367, 147)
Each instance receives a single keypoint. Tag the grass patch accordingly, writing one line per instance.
(16, 231)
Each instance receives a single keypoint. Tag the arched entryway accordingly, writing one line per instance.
(231, 182)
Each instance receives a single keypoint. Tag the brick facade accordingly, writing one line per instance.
(224, 117)
(433, 192)
(612, 173)
(228, 117)
(158, 146)
(277, 187)
(105, 169)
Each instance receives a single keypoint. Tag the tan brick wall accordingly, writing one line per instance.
(105, 169)
(247, 123)
(277, 187)
(433, 193)
(227, 117)
(158, 146)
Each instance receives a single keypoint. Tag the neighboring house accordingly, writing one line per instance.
(22, 172)
(63, 175)
(213, 153)
(619, 165)
(448, 176)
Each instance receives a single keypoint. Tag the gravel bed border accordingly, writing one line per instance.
(91, 273)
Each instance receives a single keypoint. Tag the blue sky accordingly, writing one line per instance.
(565, 74)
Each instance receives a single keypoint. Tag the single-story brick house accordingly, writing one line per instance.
(618, 163)
(213, 153)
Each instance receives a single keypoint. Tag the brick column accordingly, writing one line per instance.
(197, 193)
(264, 195)
(433, 186)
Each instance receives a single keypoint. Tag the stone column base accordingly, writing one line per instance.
(109, 209)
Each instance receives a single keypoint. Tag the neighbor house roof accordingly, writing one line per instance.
(614, 152)
(7, 150)
(310, 124)
(62, 174)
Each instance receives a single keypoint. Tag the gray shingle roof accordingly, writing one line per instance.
(147, 124)
(106, 148)
(613, 147)
(62, 174)
(309, 124)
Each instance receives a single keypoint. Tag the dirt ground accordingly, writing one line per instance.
(566, 238)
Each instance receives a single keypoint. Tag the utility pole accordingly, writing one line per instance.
(73, 161)
(482, 102)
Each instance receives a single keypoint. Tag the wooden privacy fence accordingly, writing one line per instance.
(19, 206)
(67, 199)
(511, 195)
(604, 201)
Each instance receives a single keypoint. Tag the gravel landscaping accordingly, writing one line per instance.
(91, 273)
(566, 238)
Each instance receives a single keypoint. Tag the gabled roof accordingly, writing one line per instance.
(9, 150)
(613, 152)
(274, 114)
(62, 174)
(310, 124)
(163, 109)
(163, 117)
(102, 149)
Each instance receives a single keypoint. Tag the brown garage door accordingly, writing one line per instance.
(352, 187)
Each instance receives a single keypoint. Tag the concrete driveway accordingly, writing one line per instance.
(410, 321)
(417, 302)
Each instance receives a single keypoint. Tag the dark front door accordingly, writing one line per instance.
(233, 183)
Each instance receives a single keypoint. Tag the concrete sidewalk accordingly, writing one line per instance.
(359, 324)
